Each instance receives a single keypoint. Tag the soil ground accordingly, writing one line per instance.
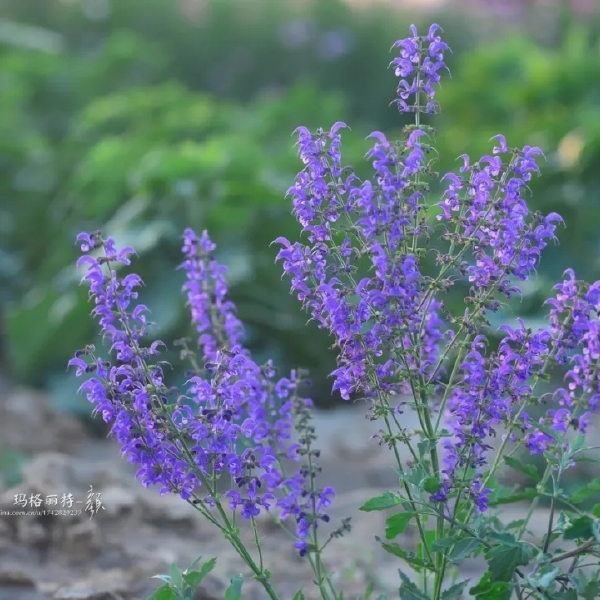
(137, 533)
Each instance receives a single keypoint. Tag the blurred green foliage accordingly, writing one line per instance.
(11, 467)
(238, 48)
(143, 117)
(145, 163)
(116, 116)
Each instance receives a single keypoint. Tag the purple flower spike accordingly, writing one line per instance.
(239, 418)
(418, 66)
(212, 313)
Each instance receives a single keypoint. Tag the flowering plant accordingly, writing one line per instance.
(360, 274)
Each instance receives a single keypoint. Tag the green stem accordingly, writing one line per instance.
(316, 550)
(421, 398)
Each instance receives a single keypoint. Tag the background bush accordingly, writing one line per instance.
(143, 117)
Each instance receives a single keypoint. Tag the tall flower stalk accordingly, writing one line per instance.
(360, 276)
(360, 271)
(186, 440)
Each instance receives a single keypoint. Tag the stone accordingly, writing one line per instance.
(56, 473)
(23, 411)
(111, 584)
(211, 588)
(83, 593)
(350, 455)
(15, 577)
(116, 501)
(169, 508)
(83, 540)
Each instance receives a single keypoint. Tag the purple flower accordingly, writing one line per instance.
(212, 313)
(420, 60)
(362, 269)
(358, 272)
(489, 214)
(231, 400)
(369, 316)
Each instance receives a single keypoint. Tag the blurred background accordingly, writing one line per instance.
(142, 117)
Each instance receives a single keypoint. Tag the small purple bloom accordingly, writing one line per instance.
(231, 399)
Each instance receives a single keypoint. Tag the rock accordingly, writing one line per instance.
(83, 593)
(106, 465)
(538, 524)
(211, 588)
(48, 476)
(37, 534)
(48, 588)
(83, 539)
(112, 584)
(55, 473)
(139, 533)
(15, 577)
(58, 474)
(350, 456)
(30, 530)
(24, 411)
(162, 558)
(117, 501)
(69, 482)
(170, 508)
(202, 594)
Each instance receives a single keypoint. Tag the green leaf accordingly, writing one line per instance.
(175, 576)
(52, 319)
(444, 543)
(583, 493)
(577, 443)
(234, 591)
(527, 469)
(415, 476)
(298, 595)
(199, 559)
(487, 589)
(463, 548)
(164, 592)
(546, 579)
(409, 557)
(516, 524)
(596, 511)
(431, 485)
(383, 502)
(456, 591)
(396, 524)
(504, 558)
(193, 578)
(408, 590)
(590, 590)
(580, 528)
(11, 467)
(596, 531)
(426, 446)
